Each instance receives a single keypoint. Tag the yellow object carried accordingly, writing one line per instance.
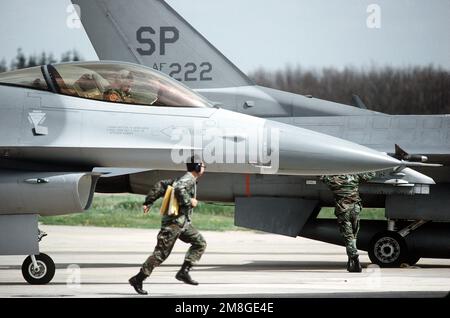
(169, 204)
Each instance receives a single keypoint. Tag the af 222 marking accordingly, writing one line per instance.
(169, 35)
(188, 72)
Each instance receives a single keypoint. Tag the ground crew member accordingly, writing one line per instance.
(174, 227)
(347, 209)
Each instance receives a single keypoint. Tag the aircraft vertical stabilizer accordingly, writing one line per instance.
(151, 33)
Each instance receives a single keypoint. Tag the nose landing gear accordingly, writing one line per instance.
(38, 269)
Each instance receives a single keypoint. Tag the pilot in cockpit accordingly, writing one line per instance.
(120, 90)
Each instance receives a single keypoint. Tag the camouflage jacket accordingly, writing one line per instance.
(185, 190)
(346, 186)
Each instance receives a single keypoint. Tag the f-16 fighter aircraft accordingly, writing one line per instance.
(65, 125)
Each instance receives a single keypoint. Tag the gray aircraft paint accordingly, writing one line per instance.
(72, 122)
(18, 234)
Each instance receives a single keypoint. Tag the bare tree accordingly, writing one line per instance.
(32, 61)
(76, 56)
(3, 67)
(411, 90)
(19, 61)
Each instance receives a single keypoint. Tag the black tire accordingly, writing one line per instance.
(44, 275)
(412, 259)
(388, 249)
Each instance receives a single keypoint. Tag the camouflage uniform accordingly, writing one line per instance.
(347, 205)
(175, 227)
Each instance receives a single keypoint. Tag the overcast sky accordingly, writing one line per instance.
(267, 33)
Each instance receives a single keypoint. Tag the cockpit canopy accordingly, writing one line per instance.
(30, 77)
(107, 81)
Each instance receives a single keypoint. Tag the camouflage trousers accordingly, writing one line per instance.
(167, 237)
(348, 221)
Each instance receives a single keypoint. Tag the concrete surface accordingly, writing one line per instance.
(97, 262)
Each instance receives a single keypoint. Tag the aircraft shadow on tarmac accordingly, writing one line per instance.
(250, 266)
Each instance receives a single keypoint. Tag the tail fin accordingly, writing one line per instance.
(151, 33)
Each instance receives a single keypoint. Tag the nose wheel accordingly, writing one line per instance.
(38, 269)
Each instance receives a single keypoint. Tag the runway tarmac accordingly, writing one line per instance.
(97, 262)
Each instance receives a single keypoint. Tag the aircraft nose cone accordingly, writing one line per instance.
(302, 151)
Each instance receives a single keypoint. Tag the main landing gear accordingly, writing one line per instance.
(389, 248)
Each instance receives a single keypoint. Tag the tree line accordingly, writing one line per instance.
(409, 90)
(22, 61)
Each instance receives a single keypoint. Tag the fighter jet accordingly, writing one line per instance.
(65, 125)
(153, 34)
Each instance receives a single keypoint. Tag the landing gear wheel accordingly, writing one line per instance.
(388, 249)
(41, 275)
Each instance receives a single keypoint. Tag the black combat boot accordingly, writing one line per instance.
(353, 265)
(183, 274)
(136, 282)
